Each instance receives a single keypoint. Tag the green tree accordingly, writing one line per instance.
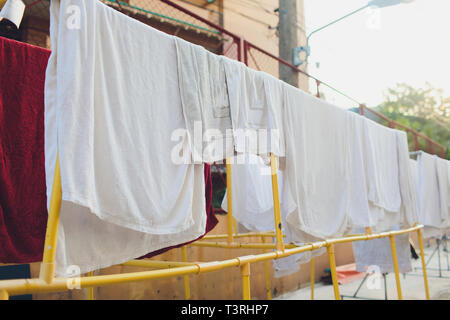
(426, 110)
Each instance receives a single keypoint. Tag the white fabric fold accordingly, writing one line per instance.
(112, 104)
(317, 166)
(377, 253)
(444, 190)
(408, 193)
(205, 102)
(428, 195)
(384, 192)
(255, 102)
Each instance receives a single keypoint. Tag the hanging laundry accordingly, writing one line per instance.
(385, 198)
(252, 198)
(444, 190)
(211, 220)
(255, 103)
(112, 105)
(317, 166)
(361, 174)
(408, 192)
(205, 102)
(377, 254)
(23, 209)
(430, 214)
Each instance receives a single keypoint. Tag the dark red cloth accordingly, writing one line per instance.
(211, 220)
(23, 201)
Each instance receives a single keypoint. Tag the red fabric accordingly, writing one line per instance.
(23, 202)
(211, 220)
(347, 273)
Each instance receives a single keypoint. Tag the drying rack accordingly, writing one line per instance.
(48, 283)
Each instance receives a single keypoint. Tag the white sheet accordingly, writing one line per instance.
(410, 205)
(112, 103)
(255, 100)
(317, 166)
(428, 195)
(206, 106)
(378, 253)
(385, 197)
(444, 190)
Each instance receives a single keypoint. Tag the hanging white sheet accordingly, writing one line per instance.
(112, 105)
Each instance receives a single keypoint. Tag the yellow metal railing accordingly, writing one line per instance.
(48, 283)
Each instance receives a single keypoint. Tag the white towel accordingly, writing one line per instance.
(205, 102)
(378, 253)
(317, 170)
(361, 175)
(112, 103)
(444, 190)
(252, 198)
(410, 205)
(255, 100)
(253, 209)
(383, 142)
(428, 195)
(384, 195)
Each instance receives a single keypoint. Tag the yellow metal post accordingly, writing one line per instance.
(395, 260)
(276, 203)
(229, 203)
(4, 295)
(424, 265)
(266, 274)
(330, 250)
(312, 277)
(187, 288)
(47, 271)
(245, 273)
(91, 289)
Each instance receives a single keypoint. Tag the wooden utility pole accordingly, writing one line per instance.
(288, 36)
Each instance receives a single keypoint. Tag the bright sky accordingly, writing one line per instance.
(375, 49)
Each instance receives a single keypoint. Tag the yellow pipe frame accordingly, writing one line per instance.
(266, 274)
(47, 271)
(245, 273)
(395, 260)
(424, 264)
(4, 295)
(276, 203)
(240, 235)
(187, 288)
(229, 203)
(27, 286)
(331, 257)
(47, 283)
(312, 277)
(156, 264)
(91, 289)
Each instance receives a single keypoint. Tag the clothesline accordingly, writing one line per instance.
(113, 191)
